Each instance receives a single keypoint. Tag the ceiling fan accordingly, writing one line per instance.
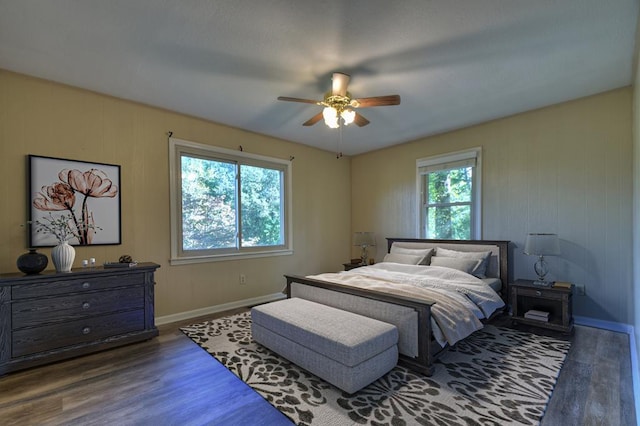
(338, 103)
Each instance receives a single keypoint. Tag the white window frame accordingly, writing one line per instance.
(445, 162)
(176, 148)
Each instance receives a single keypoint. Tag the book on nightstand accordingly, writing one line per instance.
(561, 284)
(537, 315)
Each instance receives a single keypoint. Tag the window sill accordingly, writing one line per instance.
(227, 257)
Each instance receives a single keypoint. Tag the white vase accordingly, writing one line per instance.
(62, 256)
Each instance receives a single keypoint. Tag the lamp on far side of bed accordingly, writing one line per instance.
(364, 240)
(542, 245)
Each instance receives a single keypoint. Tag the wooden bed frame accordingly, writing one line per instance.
(427, 348)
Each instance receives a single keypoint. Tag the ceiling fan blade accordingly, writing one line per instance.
(360, 120)
(306, 101)
(313, 120)
(378, 101)
(339, 84)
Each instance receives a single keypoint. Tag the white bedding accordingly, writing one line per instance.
(461, 300)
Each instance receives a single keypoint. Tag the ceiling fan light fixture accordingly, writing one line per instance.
(348, 115)
(330, 117)
(338, 104)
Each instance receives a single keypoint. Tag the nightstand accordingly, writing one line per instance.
(350, 266)
(524, 296)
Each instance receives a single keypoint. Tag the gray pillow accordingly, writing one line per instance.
(480, 271)
(464, 265)
(406, 259)
(425, 253)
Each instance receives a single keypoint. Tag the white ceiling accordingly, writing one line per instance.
(453, 62)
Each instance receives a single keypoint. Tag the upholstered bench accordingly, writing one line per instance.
(347, 350)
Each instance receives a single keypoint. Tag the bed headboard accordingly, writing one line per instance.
(498, 266)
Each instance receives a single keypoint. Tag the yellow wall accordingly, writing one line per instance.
(43, 118)
(565, 169)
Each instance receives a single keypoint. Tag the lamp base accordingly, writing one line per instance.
(541, 271)
(363, 256)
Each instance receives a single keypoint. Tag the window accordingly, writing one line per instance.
(449, 195)
(226, 204)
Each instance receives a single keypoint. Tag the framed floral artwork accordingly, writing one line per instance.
(74, 201)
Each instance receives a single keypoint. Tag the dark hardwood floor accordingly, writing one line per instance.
(595, 385)
(169, 380)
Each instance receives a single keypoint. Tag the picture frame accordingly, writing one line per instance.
(77, 201)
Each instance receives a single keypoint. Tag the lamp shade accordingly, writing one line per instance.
(542, 245)
(364, 239)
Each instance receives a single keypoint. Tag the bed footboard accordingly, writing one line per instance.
(418, 349)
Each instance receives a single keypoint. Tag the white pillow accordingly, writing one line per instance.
(425, 253)
(406, 259)
(483, 256)
(464, 265)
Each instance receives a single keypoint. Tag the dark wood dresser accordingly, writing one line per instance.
(53, 316)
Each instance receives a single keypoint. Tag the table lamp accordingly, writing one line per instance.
(364, 240)
(541, 245)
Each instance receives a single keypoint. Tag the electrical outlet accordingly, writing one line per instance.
(243, 279)
(580, 290)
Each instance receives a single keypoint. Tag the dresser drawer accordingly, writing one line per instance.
(35, 312)
(40, 339)
(75, 285)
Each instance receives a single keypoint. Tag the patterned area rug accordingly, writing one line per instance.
(497, 376)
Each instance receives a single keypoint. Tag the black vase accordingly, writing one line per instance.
(32, 262)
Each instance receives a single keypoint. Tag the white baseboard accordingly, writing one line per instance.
(629, 330)
(166, 319)
(605, 325)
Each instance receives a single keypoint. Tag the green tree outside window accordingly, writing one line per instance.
(448, 204)
(217, 208)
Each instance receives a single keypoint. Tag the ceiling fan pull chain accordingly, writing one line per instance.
(339, 143)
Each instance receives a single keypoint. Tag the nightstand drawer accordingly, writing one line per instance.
(40, 339)
(540, 293)
(30, 313)
(77, 285)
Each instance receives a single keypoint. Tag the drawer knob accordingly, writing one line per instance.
(538, 293)
(86, 285)
(86, 305)
(86, 330)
